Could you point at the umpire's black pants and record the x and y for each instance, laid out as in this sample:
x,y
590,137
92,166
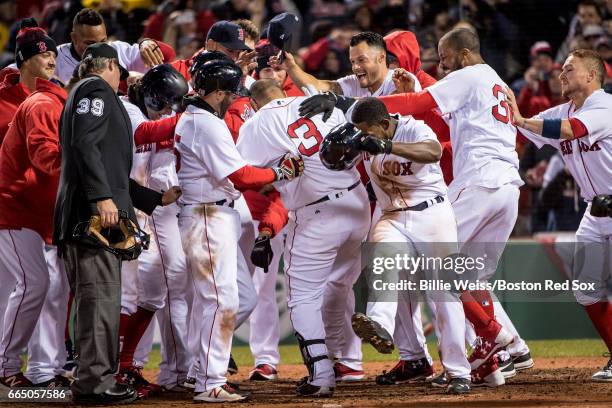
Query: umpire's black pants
x,y
95,280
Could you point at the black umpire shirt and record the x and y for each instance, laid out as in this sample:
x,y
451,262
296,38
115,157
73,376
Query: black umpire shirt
x,y
96,142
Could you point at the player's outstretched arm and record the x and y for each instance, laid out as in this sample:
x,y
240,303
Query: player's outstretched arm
x,y
427,151
254,178
301,78
409,103
564,129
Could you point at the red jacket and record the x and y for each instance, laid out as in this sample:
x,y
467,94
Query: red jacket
x,y
12,93
30,162
404,45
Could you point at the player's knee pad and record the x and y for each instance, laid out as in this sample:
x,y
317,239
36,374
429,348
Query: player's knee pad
x,y
310,360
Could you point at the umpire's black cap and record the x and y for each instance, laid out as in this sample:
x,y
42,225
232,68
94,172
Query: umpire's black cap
x,y
104,50
281,29
228,34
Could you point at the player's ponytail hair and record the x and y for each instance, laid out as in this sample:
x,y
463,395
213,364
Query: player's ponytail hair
x,y
136,96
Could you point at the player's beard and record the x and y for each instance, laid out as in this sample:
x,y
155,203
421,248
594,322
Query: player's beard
x,y
225,103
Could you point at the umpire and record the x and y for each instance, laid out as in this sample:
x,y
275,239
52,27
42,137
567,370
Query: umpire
x,y
96,143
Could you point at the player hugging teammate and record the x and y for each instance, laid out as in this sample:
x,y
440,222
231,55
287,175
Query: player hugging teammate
x,y
264,172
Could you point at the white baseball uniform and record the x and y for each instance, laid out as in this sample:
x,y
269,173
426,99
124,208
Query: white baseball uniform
x,y
67,59
400,183
163,282
484,192
408,336
320,267
210,228
589,160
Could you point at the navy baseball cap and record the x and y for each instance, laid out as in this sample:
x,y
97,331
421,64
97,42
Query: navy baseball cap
x,y
281,29
104,50
228,34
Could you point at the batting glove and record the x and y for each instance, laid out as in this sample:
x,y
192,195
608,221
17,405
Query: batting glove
x,y
289,168
262,254
374,145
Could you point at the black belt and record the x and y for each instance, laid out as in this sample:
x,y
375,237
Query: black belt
x,y
421,206
333,195
223,202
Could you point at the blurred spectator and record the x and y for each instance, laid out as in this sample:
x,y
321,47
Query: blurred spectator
x,y
362,15
542,89
180,24
587,13
329,55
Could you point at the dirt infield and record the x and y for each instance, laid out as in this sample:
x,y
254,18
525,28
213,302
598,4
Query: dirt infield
x,y
553,382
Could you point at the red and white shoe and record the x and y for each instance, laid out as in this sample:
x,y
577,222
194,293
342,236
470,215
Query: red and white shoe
x,y
224,393
485,348
346,373
263,372
488,375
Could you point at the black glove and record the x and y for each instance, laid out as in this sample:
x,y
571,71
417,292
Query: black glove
x,y
262,254
374,145
322,103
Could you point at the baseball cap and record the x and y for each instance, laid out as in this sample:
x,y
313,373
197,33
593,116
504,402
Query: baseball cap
x,y
281,29
32,40
592,30
228,34
540,47
104,50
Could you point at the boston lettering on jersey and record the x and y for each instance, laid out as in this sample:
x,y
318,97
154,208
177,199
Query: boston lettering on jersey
x,y
567,147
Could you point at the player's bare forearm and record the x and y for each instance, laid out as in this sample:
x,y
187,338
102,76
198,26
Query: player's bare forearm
x,y
428,151
537,126
303,79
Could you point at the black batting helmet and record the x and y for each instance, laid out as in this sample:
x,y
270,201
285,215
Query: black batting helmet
x,y
218,75
340,148
163,86
203,57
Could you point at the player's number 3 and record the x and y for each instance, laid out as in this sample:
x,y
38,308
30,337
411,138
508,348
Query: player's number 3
x,y
505,115
307,134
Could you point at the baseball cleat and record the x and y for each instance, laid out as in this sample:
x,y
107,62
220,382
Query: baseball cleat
x,y
485,348
372,332
522,362
178,388
506,365
305,389
133,377
14,381
440,381
605,374
458,386
346,373
232,367
56,382
189,383
406,371
263,372
224,393
488,375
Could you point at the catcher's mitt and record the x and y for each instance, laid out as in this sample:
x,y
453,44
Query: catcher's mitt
x,y
126,240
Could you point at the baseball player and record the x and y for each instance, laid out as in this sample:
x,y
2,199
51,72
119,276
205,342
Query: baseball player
x,y
29,177
162,278
582,132
479,114
401,156
88,28
210,170
320,268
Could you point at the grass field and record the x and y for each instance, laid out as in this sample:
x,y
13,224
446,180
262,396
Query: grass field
x,y
539,348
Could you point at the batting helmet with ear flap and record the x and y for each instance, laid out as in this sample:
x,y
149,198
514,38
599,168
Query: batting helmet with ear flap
x,y
340,148
218,75
163,86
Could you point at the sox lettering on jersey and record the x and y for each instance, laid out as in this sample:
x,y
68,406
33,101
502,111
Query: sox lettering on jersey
x,y
396,168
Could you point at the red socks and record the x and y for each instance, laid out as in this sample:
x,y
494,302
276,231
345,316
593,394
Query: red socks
x,y
137,325
484,324
601,316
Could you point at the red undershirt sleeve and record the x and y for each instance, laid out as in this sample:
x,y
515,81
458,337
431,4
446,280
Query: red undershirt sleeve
x,y
578,128
276,215
251,178
409,103
156,130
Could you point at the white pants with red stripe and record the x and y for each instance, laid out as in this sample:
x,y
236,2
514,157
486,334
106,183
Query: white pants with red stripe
x,y
165,287
264,333
22,258
485,219
422,234
209,235
322,263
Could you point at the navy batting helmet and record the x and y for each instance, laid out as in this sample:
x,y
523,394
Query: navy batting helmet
x,y
218,75
163,86
340,148
203,57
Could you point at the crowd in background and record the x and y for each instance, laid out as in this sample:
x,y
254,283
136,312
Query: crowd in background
x,y
525,41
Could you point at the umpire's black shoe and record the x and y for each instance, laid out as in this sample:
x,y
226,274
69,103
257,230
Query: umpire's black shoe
x,y
118,394
306,389
372,332
232,367
458,386
407,371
